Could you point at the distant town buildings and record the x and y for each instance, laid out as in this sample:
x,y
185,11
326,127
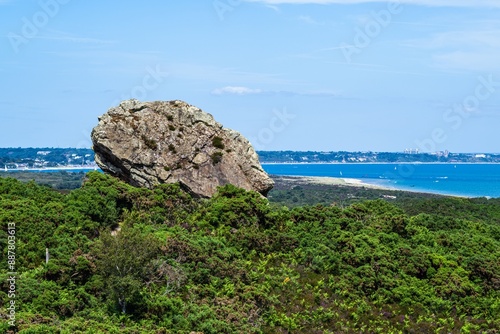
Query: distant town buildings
x,y
40,158
408,156
37,158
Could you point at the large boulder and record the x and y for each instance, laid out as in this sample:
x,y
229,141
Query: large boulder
x,y
148,143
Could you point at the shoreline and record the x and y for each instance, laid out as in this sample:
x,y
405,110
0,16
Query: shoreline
x,y
332,181
352,182
380,163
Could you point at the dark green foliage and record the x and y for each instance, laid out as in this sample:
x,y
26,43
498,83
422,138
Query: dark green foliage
x,y
235,207
216,157
217,142
130,260
170,117
171,127
171,148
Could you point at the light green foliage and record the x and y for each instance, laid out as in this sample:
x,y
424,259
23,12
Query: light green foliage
x,y
237,264
124,261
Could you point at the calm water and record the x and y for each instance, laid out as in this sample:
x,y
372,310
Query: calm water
x,y
473,180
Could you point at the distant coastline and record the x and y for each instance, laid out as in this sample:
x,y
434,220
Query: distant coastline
x,y
59,168
41,158
379,163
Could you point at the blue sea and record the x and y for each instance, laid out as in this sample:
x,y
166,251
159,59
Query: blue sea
x,y
470,180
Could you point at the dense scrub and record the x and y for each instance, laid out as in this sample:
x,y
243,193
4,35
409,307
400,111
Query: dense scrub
x,y
128,260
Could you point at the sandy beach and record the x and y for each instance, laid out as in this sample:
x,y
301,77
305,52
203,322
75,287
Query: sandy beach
x,y
333,181
350,182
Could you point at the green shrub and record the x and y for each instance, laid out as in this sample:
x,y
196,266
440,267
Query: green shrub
x,y
217,142
216,157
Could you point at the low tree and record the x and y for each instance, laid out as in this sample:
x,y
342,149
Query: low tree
x,y
124,261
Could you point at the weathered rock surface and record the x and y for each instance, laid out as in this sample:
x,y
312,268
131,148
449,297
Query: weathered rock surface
x,y
148,143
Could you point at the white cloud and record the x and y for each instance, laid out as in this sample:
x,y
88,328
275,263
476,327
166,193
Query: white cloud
x,y
477,50
309,20
433,3
459,39
236,90
473,61
67,37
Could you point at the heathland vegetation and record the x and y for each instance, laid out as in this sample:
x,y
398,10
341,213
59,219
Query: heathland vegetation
x,y
130,260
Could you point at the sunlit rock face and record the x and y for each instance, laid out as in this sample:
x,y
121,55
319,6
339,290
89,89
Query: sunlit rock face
x,y
149,143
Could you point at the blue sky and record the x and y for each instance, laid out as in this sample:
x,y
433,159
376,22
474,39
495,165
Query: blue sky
x,y
288,74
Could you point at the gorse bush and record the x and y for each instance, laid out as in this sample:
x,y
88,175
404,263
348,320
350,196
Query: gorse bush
x,y
130,260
